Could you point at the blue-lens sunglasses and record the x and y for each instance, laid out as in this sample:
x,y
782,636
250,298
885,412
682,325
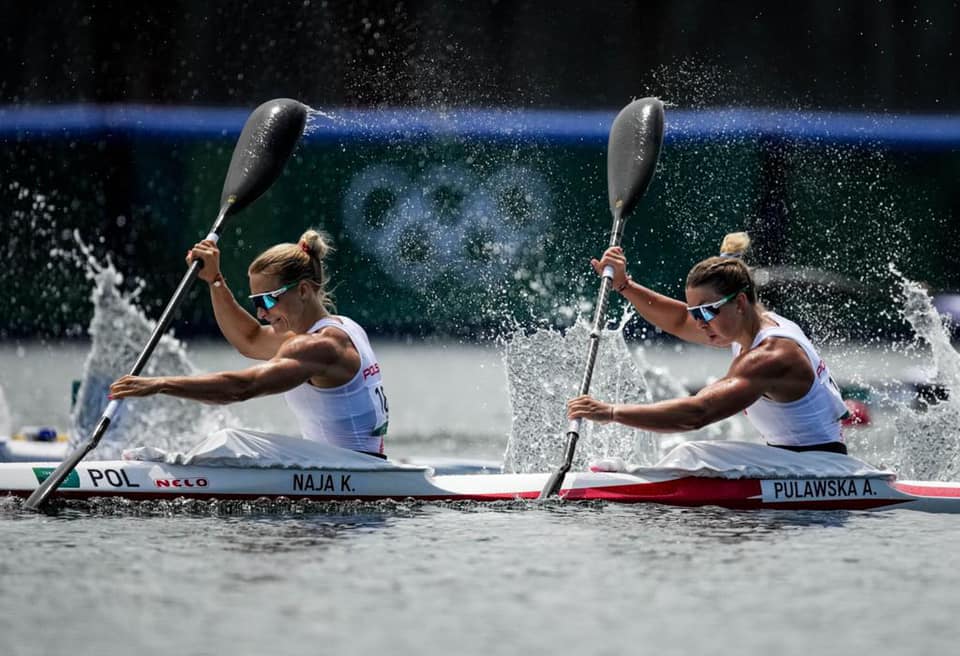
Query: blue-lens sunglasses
x,y
708,311
267,300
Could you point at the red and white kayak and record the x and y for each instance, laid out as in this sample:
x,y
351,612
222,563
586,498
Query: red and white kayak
x,y
698,474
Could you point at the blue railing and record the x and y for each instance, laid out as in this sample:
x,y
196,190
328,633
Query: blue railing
x,y
923,132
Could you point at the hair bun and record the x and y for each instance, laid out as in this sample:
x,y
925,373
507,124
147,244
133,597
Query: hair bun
x,y
316,242
735,244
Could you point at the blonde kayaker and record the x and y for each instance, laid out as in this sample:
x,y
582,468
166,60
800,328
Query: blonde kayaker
x,y
322,363
777,378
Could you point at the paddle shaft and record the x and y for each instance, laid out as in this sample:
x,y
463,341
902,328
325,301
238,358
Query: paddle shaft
x,y
573,430
35,500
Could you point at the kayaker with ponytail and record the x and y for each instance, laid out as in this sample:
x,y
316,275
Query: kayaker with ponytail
x,y
321,362
777,378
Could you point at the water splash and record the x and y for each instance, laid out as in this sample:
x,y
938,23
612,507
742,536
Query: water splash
x,y
32,222
118,331
317,118
927,437
6,424
544,370
463,224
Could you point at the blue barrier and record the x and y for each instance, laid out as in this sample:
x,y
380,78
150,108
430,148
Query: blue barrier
x,y
914,132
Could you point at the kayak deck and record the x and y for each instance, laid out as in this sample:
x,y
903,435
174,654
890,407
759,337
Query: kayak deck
x,y
137,480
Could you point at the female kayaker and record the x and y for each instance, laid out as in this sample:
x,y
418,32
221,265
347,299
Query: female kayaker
x,y
777,378
321,362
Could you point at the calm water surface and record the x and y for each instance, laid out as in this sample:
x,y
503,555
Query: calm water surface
x,y
513,578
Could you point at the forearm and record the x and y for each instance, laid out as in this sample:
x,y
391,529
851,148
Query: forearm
x,y
673,416
236,324
278,375
219,388
667,314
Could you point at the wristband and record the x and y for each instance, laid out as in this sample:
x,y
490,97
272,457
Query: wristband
x,y
219,281
626,283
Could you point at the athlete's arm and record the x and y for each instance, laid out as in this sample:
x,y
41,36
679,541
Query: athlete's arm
x,y
750,377
243,331
667,314
299,359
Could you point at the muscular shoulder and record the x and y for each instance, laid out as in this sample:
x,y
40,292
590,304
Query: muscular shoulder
x,y
774,357
324,347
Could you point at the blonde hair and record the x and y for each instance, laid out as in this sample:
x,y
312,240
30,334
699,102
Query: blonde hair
x,y
301,261
735,244
726,273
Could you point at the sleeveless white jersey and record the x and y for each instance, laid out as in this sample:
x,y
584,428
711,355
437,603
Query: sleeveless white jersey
x,y
813,419
353,415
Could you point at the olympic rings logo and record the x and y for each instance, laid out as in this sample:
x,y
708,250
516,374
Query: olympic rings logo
x,y
447,222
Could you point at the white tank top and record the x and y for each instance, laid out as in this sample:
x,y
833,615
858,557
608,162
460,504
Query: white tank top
x,y
813,419
353,415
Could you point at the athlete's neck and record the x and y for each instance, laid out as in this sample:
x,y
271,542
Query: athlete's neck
x,y
313,311
752,324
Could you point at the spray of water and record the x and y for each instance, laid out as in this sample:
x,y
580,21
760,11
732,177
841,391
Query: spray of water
x,y
317,118
927,436
34,222
6,425
118,331
464,225
544,369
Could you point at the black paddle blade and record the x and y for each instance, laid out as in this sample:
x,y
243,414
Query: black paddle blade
x,y
266,143
633,150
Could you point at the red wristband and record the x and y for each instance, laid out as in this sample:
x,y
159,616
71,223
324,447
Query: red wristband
x,y
626,283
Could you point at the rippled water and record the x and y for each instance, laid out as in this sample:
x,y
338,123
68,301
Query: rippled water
x,y
508,578
495,579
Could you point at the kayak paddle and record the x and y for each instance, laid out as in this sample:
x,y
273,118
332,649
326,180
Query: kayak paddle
x,y
632,152
265,144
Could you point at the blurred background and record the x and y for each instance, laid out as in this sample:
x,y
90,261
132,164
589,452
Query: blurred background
x,y
457,155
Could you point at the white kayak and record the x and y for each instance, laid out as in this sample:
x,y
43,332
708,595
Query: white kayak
x,y
728,474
